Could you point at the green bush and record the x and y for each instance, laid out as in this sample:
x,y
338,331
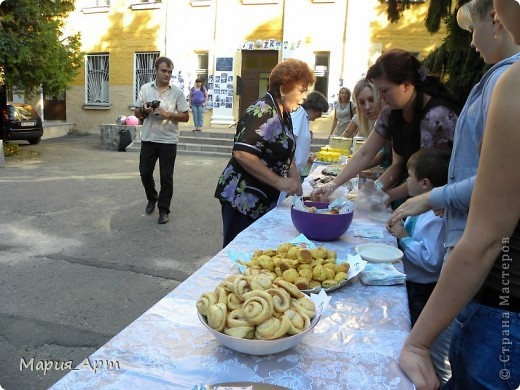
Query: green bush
x,y
11,149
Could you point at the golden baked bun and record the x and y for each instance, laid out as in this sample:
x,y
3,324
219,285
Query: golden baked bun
x,y
302,283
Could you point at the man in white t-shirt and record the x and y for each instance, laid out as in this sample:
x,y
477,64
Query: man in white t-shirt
x,y
161,106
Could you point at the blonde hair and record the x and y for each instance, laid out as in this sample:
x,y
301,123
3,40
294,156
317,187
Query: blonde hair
x,y
366,125
475,10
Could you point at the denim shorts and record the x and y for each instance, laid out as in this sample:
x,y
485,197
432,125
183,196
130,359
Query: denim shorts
x,y
485,349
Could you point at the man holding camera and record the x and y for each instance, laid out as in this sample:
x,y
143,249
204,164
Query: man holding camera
x,y
161,107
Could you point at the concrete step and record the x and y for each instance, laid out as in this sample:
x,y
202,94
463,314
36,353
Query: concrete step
x,y
219,143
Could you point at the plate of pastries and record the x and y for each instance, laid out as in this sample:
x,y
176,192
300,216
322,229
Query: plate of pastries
x,y
257,315
309,269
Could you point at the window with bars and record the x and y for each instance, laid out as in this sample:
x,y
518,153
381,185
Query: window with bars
x,y
144,70
97,79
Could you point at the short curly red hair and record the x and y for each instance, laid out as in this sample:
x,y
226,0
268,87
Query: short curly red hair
x,y
288,73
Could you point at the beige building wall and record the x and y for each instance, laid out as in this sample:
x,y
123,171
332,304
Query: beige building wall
x,y
354,32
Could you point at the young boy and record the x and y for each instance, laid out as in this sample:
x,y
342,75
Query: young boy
x,y
422,237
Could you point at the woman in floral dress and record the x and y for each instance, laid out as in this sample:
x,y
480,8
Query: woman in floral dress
x,y
262,163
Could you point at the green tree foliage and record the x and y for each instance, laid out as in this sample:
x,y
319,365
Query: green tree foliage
x,y
454,60
34,52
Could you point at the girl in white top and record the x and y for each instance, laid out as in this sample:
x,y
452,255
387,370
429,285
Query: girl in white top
x,y
344,110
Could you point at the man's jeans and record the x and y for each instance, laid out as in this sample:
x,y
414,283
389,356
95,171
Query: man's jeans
x,y
485,349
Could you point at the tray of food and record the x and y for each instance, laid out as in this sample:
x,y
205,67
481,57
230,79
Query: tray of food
x,y
259,315
307,266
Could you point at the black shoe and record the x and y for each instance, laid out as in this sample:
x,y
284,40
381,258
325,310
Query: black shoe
x,y
163,218
150,207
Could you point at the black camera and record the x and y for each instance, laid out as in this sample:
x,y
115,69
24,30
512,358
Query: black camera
x,y
154,104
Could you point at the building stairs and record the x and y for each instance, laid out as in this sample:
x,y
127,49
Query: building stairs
x,y
219,143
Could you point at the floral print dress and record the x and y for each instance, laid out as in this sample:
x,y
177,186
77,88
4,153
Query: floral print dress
x,y
264,132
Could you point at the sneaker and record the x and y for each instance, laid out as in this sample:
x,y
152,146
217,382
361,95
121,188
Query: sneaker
x,y
163,218
150,207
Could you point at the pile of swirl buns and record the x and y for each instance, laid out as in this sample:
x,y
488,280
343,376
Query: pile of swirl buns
x,y
306,268
257,307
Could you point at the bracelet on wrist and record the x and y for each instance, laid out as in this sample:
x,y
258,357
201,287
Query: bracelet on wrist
x,y
379,185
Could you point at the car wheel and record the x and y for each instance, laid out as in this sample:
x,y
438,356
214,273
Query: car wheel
x,y
35,141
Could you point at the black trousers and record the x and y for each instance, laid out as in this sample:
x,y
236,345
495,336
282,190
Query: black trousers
x,y
418,295
166,153
233,222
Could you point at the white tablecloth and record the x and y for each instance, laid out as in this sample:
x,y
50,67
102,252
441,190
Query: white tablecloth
x,y
354,346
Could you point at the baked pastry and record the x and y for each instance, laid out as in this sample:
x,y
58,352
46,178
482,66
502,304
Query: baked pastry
x,y
241,286
301,282
233,302
305,306
217,316
221,294
281,299
205,301
261,281
291,288
299,321
305,256
329,283
290,275
243,332
273,328
236,319
258,307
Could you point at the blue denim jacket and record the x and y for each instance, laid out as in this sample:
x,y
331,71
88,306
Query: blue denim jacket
x,y
455,196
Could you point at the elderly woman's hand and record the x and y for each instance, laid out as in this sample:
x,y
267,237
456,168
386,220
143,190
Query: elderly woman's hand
x,y
290,185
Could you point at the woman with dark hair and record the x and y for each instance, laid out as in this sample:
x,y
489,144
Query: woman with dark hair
x,y
419,113
197,100
262,164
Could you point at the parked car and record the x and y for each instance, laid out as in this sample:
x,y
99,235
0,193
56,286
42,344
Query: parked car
x,y
20,122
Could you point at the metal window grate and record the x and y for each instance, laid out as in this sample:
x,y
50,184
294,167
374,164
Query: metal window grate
x,y
97,79
144,70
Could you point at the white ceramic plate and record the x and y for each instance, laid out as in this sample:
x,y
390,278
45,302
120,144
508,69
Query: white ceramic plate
x,y
258,347
379,253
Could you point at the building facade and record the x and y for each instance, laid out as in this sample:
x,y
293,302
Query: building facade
x,y
231,44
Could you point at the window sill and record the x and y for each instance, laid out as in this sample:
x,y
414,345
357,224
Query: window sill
x,y
143,6
96,10
256,2
91,106
200,3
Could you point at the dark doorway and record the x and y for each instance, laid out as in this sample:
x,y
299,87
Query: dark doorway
x,y
54,107
256,67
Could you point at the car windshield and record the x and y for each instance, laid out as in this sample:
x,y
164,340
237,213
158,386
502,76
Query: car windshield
x,y
23,112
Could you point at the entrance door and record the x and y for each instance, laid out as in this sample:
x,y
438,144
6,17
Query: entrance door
x,y
54,108
256,67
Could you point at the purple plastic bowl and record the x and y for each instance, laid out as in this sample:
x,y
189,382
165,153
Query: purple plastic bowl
x,y
320,227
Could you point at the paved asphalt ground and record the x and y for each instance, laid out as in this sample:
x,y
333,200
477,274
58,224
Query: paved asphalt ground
x,y
79,258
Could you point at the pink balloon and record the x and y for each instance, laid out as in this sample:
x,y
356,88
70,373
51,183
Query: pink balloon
x,y
132,121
